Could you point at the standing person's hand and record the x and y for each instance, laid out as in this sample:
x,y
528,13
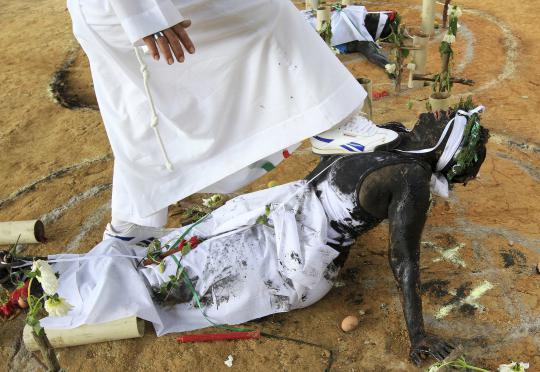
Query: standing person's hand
x,y
170,41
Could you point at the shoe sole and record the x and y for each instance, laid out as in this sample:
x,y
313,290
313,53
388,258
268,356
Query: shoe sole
x,y
384,147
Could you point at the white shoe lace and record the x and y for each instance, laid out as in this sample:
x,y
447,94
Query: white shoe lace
x,y
361,126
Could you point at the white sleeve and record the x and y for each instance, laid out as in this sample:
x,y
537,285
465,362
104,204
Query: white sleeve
x,y
141,18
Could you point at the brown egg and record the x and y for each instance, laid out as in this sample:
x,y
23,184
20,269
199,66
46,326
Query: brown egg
x,y
349,323
23,304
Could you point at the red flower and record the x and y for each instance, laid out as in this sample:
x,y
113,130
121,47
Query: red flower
x,y
6,310
182,243
18,293
194,241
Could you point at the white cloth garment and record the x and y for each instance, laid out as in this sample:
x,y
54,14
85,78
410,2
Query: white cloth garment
x,y
243,271
261,80
347,24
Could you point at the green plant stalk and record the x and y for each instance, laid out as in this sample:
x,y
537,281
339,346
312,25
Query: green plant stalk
x,y
38,333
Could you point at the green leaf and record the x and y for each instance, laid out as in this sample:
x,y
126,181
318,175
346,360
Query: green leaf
x,y
186,249
38,330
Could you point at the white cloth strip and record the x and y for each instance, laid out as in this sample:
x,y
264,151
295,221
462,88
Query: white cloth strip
x,y
454,141
439,183
383,17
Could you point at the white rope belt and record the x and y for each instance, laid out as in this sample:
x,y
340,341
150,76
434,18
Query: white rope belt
x,y
154,121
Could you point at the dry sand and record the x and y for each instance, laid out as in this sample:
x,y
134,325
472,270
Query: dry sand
x,y
62,157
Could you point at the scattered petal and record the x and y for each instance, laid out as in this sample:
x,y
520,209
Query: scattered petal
x,y
514,367
229,361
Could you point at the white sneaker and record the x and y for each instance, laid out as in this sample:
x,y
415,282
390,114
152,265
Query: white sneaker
x,y
359,135
135,234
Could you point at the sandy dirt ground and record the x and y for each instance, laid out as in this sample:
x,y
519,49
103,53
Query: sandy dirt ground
x,y
56,165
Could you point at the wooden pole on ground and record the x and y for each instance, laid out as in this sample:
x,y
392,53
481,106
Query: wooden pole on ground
x,y
87,334
24,232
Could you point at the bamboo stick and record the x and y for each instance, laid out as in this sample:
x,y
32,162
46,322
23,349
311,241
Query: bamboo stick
x,y
420,43
428,16
323,14
312,4
368,103
88,334
24,232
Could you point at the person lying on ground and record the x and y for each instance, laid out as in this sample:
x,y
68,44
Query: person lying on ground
x,y
281,248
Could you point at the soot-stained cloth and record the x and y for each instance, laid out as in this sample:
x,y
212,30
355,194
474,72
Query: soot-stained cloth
x,y
260,81
348,24
244,270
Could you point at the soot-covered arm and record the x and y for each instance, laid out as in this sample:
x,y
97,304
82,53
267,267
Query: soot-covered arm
x,y
407,213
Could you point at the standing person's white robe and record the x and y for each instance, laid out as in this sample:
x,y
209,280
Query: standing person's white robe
x,y
261,80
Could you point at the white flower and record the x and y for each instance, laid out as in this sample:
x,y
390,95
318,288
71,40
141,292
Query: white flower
x,y
57,306
212,201
514,367
455,11
46,277
390,68
228,361
449,38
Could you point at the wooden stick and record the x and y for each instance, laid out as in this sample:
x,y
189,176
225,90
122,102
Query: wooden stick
x,y
445,13
453,80
220,336
87,334
24,232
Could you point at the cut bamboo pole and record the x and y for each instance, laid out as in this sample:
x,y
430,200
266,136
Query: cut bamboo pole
x,y
88,334
440,101
420,43
323,14
312,4
24,232
428,16
368,103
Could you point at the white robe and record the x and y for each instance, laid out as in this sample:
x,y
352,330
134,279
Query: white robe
x,y
244,271
261,80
